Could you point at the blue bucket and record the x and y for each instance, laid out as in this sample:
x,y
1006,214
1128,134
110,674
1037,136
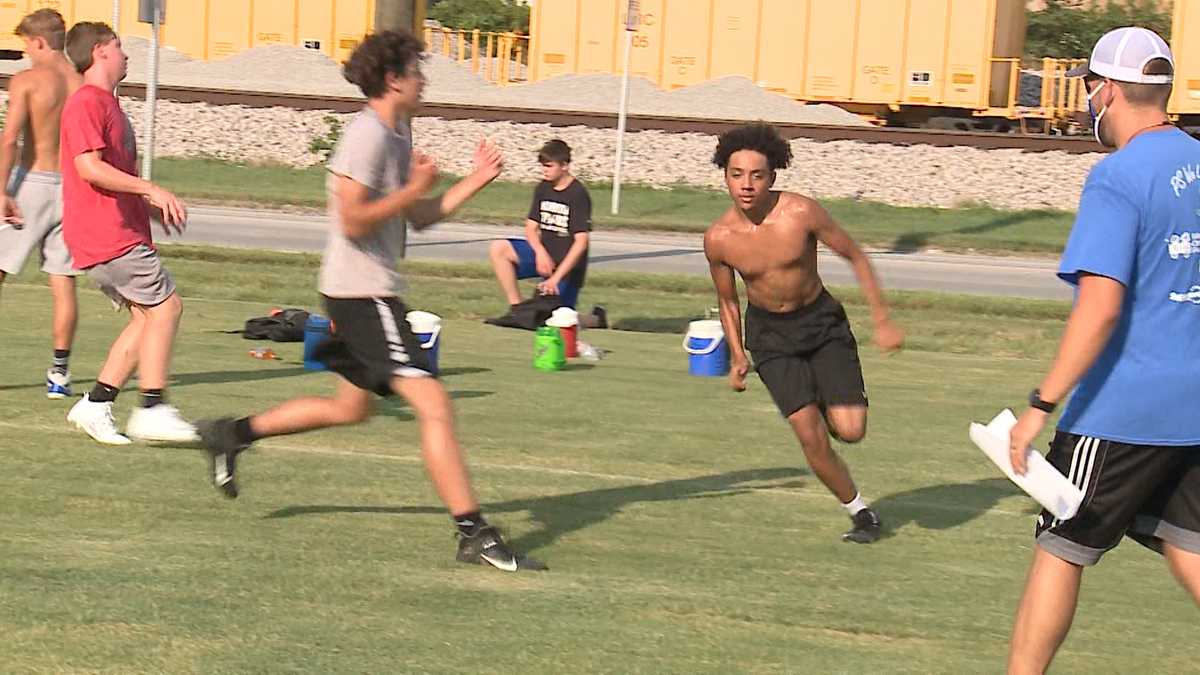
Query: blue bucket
x,y
708,353
428,329
316,329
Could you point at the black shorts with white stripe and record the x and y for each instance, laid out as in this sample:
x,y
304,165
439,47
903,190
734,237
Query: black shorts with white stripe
x,y
371,343
1151,493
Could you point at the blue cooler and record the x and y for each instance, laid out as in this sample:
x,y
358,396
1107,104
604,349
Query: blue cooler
x,y
316,329
708,353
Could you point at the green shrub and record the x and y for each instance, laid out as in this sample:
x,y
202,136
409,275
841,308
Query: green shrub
x,y
1063,31
485,15
324,144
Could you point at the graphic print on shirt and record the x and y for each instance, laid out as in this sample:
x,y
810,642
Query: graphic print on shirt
x,y
555,217
1182,247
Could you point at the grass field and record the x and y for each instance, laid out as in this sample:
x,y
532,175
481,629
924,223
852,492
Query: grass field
x,y
680,209
683,531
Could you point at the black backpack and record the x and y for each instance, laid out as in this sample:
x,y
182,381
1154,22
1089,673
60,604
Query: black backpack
x,y
529,314
285,326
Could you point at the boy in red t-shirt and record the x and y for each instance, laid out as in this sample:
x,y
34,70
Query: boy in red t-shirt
x,y
106,225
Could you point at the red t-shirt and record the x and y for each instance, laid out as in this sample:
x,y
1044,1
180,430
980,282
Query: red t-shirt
x,y
99,225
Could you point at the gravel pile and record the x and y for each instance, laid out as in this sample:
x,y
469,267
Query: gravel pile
x,y
907,176
899,175
1029,93
289,69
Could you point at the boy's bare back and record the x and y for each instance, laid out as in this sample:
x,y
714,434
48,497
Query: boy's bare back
x,y
37,95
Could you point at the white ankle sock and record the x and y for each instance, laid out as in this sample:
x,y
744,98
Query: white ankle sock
x,y
855,505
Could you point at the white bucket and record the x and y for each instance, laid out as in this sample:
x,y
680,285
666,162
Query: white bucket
x,y
563,317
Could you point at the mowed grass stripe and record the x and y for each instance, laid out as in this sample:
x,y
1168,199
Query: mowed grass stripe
x,y
128,561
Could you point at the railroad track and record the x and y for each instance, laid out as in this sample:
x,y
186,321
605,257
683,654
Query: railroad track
x,y
816,132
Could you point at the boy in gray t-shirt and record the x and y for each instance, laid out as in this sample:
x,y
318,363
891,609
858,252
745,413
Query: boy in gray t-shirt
x,y
376,182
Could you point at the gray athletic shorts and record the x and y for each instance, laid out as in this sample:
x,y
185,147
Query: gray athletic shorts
x,y
39,197
136,278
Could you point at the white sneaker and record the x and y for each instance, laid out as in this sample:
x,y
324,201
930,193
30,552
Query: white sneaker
x,y
96,420
58,385
160,423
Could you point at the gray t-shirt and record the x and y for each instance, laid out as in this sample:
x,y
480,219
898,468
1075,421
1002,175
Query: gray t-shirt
x,y
370,153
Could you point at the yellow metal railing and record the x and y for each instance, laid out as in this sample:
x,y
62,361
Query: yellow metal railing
x,y
1012,98
1062,96
500,58
1059,101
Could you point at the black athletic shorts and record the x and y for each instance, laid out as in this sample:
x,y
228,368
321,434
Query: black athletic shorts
x,y
806,356
372,343
1151,493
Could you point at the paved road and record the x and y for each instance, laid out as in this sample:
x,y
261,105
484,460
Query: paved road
x,y
636,252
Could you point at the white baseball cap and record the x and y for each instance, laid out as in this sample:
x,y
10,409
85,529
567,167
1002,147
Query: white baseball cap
x,y
1122,53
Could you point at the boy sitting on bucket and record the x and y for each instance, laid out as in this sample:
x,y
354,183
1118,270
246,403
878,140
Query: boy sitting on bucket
x,y
555,247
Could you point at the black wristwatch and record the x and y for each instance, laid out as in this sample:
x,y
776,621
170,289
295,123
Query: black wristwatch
x,y
1035,401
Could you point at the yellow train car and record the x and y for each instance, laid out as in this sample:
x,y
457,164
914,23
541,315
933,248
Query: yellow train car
x,y
213,29
1185,34
1064,100
877,57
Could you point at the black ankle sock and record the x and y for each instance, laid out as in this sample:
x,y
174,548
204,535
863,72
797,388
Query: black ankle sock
x,y
103,393
242,431
469,523
61,358
153,397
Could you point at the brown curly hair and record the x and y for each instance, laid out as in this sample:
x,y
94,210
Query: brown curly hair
x,y
388,51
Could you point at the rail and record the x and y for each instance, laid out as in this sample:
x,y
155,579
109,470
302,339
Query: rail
x,y
500,58
602,120
1062,97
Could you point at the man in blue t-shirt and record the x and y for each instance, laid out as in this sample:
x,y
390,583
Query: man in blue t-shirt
x,y
1130,435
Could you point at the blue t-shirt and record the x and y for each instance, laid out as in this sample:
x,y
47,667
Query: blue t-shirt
x,y
1139,223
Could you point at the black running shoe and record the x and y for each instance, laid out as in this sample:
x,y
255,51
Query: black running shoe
x,y
223,447
486,546
867,527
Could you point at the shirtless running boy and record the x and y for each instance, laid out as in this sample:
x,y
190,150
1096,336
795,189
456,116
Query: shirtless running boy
x,y
803,348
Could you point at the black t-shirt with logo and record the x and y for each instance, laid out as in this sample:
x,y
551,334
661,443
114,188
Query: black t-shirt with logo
x,y
560,215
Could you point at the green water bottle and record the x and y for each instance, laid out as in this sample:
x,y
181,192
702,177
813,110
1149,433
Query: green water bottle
x,y
549,352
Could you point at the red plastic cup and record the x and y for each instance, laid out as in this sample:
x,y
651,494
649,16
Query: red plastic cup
x,y
570,335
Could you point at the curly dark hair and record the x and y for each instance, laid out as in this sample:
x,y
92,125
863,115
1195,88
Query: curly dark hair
x,y
389,51
761,138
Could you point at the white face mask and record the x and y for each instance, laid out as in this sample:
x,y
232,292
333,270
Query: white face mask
x,y
1096,117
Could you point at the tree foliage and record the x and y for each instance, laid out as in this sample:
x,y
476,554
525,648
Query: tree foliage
x,y
485,15
1063,30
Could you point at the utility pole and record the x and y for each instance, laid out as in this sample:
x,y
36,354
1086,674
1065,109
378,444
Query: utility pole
x,y
400,14
152,12
632,20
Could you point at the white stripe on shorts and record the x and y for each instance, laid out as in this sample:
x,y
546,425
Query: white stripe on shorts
x,y
395,344
1082,459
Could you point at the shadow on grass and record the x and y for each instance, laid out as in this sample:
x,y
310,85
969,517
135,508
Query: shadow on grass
x,y
654,324
396,408
912,242
942,507
463,370
41,384
225,376
562,514
254,375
